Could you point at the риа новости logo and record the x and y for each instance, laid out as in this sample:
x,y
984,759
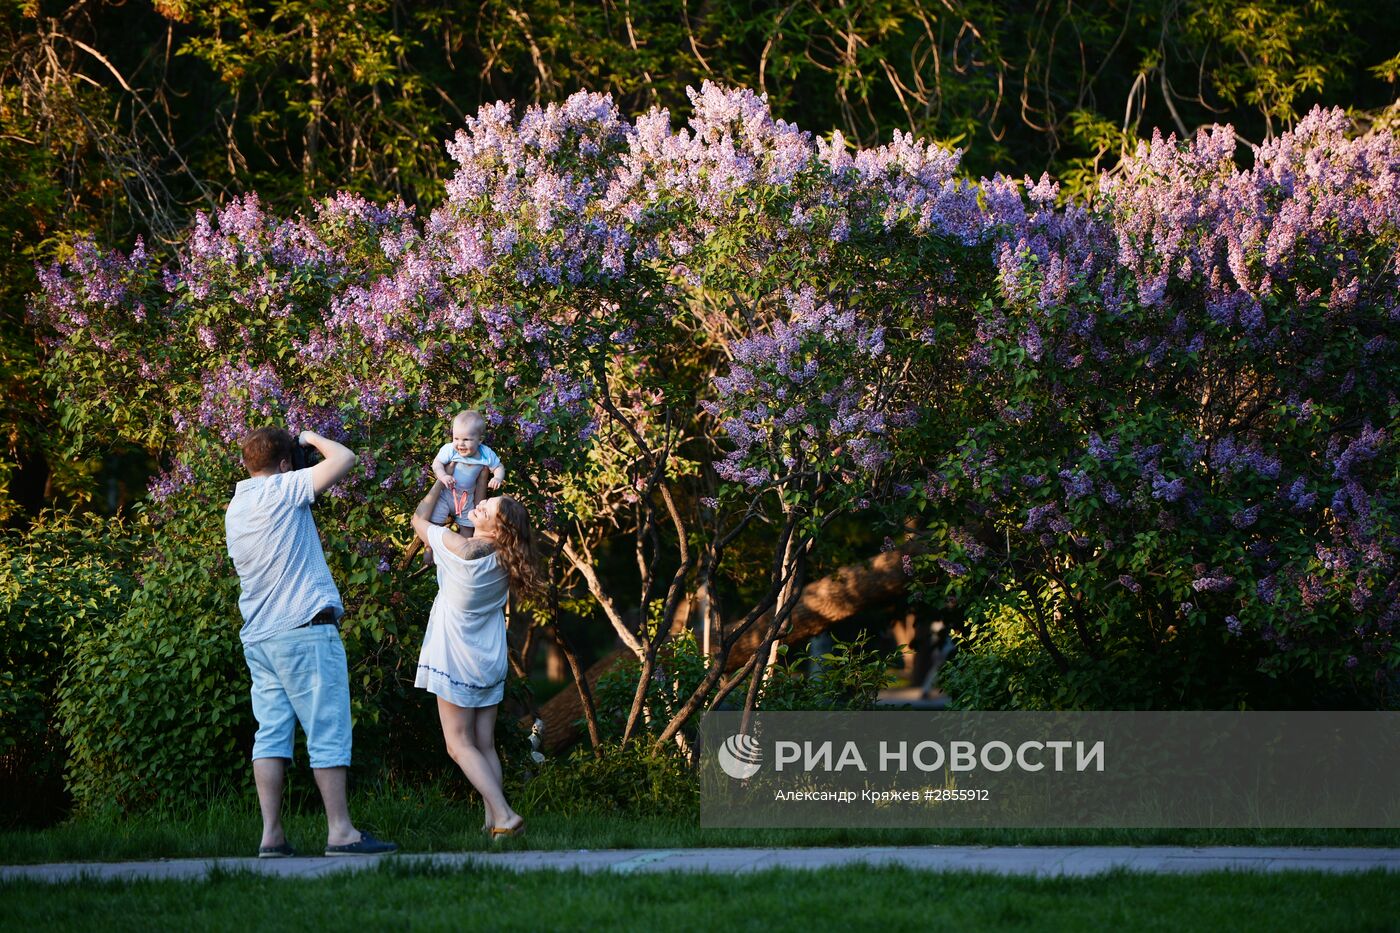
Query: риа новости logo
x,y
740,756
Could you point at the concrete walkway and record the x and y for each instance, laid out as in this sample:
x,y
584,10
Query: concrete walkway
x,y
1004,860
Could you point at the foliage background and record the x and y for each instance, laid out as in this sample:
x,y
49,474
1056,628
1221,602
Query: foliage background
x,y
122,120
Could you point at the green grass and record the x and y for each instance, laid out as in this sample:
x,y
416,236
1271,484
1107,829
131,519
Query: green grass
x,y
428,819
406,896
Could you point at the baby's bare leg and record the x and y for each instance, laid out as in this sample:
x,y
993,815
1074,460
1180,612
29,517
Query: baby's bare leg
x,y
464,529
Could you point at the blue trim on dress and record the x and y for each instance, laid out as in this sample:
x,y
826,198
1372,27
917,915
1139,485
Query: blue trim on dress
x,y
462,683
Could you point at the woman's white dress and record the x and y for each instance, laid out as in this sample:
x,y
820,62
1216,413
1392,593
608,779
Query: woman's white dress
x,y
464,650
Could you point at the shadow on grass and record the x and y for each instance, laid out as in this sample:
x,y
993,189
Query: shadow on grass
x,y
401,893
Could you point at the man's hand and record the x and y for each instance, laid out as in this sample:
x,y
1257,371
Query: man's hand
x,y
331,470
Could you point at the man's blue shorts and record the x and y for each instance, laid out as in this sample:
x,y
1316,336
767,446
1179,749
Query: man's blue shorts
x,y
301,675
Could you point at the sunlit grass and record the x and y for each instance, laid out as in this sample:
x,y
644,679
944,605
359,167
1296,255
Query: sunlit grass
x,y
436,818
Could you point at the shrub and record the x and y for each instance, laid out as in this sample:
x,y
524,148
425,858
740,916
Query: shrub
x,y
59,580
154,704
1187,457
678,670
619,779
848,677
1166,414
584,281
1000,664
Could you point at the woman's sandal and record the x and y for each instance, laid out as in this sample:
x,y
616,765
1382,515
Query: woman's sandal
x,y
500,832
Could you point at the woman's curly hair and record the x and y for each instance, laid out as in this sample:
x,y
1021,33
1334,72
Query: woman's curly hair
x,y
515,549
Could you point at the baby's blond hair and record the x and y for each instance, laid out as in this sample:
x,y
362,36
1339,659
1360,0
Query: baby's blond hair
x,y
468,418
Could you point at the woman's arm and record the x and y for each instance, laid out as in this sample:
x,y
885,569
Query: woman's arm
x,y
420,521
457,544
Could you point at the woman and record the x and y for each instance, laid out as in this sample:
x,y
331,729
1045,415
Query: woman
x,y
464,650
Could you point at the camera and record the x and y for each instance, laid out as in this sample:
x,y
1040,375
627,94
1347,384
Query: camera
x,y
303,455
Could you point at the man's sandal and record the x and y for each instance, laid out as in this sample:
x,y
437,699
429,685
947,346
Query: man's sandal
x,y
368,845
285,850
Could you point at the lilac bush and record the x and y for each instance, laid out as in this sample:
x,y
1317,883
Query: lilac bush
x,y
573,286
1161,425
1186,477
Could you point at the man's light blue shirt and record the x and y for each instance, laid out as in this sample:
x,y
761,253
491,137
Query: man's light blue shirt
x,y
281,567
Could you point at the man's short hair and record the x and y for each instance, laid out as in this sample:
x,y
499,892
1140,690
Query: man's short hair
x,y
265,448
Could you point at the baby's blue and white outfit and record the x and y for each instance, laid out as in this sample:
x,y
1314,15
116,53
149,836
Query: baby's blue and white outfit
x,y
465,470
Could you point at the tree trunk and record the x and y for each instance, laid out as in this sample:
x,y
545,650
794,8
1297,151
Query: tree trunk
x,y
877,582
312,142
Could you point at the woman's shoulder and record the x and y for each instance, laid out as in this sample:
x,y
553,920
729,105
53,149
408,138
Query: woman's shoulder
x,y
473,549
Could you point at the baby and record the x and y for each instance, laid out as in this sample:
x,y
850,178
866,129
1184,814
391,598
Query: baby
x,y
460,466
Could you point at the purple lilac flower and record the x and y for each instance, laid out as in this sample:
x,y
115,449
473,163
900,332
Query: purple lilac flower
x,y
1215,583
1311,589
1037,516
974,549
1077,484
1101,450
1245,518
1299,499
1171,491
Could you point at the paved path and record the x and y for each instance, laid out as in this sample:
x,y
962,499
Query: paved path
x,y
1005,860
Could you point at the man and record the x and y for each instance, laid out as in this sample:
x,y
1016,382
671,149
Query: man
x,y
291,637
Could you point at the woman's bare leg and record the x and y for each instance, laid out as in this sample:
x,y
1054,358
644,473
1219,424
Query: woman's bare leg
x,y
462,733
483,737
485,734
